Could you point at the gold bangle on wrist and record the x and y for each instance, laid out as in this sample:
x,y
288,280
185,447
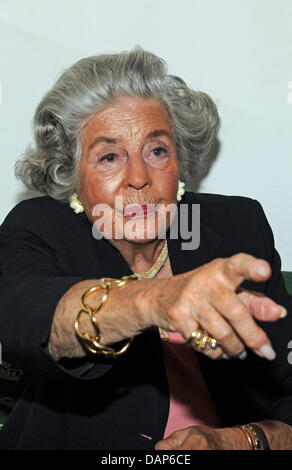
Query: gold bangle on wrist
x,y
243,428
256,436
92,343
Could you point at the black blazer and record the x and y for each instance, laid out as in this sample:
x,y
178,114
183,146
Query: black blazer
x,y
96,403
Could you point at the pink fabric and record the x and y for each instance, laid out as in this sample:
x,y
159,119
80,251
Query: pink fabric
x,y
190,401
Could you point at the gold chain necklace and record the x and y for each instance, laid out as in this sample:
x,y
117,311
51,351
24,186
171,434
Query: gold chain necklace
x,y
151,273
155,268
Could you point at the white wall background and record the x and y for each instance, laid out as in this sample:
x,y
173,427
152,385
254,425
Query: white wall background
x,y
238,51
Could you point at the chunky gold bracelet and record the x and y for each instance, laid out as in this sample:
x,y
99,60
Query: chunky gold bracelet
x,y
243,428
92,343
256,436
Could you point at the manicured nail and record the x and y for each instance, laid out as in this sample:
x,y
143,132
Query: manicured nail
x,y
262,271
242,355
225,356
268,352
283,312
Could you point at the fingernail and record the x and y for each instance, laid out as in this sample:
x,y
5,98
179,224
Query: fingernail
x,y
262,271
283,312
242,355
268,352
257,351
225,356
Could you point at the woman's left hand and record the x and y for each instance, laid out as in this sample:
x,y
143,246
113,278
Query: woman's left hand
x,y
205,438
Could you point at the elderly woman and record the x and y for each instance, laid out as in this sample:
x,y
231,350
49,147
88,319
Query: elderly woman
x,y
101,296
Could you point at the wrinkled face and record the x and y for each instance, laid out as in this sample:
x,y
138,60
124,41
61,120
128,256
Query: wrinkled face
x,y
129,170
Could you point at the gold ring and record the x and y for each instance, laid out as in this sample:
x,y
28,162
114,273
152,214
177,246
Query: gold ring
x,y
200,340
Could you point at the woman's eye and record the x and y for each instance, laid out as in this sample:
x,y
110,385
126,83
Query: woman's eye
x,y
158,151
109,157
111,160
157,155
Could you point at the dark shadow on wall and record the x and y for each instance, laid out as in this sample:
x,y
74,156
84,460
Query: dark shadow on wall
x,y
26,194
195,183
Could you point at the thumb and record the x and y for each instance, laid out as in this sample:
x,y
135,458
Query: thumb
x,y
174,440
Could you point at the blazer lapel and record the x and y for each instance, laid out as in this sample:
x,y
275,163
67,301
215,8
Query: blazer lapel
x,y
183,260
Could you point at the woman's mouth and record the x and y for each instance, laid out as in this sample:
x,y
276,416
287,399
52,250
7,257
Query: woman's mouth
x,y
137,210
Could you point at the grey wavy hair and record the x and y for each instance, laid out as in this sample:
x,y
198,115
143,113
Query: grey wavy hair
x,y
51,165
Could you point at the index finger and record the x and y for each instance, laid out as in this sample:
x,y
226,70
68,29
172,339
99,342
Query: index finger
x,y
242,267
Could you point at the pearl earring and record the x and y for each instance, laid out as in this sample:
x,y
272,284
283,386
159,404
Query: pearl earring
x,y
75,204
181,190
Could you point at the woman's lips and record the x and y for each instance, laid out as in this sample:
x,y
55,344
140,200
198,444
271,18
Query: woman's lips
x,y
138,210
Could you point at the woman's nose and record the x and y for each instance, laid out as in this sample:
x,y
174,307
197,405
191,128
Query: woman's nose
x,y
137,174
